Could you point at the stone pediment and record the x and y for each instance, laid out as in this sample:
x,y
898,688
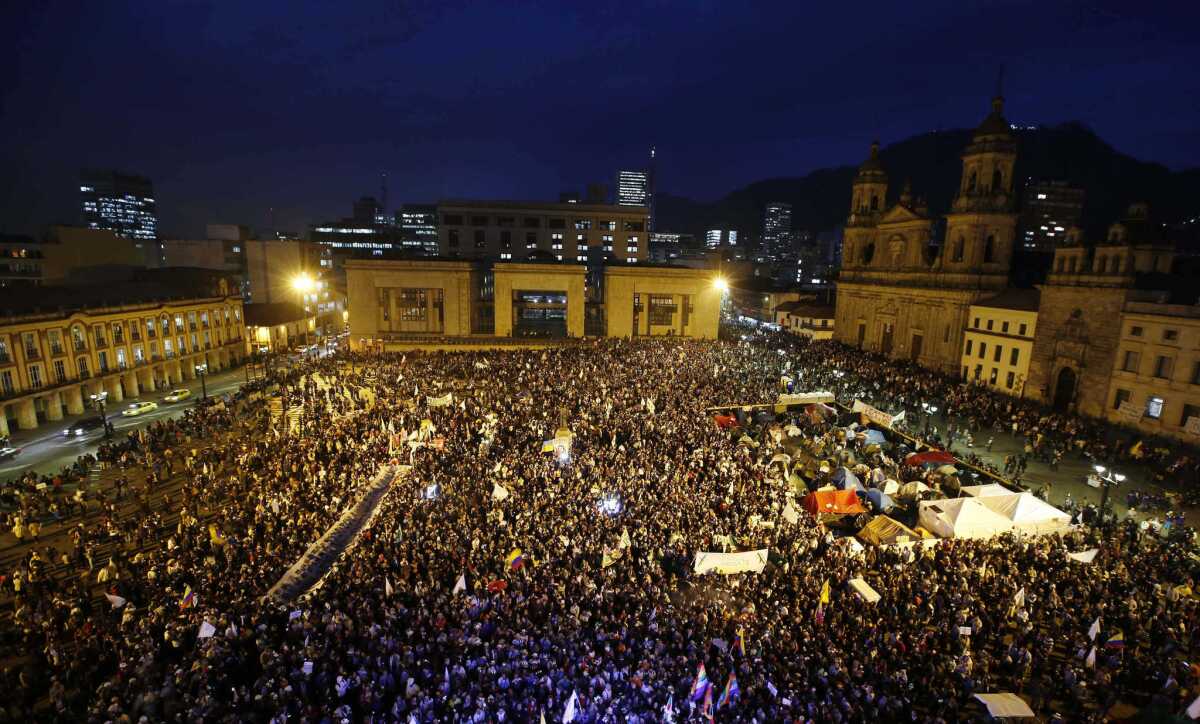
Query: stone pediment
x,y
900,214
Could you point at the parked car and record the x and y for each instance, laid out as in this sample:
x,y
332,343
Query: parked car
x,y
139,408
178,395
8,453
84,426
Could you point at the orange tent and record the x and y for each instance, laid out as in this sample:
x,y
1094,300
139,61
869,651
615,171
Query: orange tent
x,y
833,501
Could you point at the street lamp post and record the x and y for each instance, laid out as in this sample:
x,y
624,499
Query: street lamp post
x,y
1108,479
202,372
99,399
304,285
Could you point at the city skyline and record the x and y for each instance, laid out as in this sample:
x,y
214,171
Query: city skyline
x,y
218,129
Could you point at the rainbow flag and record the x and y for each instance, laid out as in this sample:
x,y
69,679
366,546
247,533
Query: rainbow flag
x,y
515,560
700,685
1117,641
731,691
707,709
189,598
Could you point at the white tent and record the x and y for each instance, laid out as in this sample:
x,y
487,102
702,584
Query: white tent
x,y
961,518
985,491
1028,513
1004,706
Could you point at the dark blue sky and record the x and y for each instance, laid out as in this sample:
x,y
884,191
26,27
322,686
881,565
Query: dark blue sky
x,y
238,107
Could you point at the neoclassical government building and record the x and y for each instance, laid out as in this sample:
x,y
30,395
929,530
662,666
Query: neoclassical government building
x,y
903,297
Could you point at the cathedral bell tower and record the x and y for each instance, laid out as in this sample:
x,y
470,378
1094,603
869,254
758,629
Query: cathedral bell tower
x,y
867,202
981,226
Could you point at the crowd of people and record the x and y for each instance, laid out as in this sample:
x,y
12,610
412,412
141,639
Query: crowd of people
x,y
505,578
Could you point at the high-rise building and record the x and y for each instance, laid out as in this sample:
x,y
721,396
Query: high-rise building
x,y
633,188
119,202
720,237
777,229
418,228
1048,209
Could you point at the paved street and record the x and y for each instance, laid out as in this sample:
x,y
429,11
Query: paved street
x,y
1070,477
45,449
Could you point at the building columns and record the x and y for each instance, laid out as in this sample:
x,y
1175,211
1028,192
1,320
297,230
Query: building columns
x,y
4,421
74,397
26,414
54,406
129,381
115,392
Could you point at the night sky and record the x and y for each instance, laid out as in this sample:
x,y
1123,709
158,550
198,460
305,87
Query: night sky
x,y
235,109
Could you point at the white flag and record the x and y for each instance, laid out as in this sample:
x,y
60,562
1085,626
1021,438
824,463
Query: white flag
x,y
569,714
499,492
116,601
1084,557
790,514
1019,599
461,585
669,709
387,588
207,630
1095,629
1091,658
625,542
1194,710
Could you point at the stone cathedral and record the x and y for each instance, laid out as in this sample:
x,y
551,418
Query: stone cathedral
x,y
900,295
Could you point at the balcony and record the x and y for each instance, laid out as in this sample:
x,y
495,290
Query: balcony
x,y
136,337
56,350
5,358
32,354
80,346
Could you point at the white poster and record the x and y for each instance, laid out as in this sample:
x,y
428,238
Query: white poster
x,y
726,563
876,416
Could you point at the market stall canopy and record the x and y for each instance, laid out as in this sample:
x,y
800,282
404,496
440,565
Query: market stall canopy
x,y
833,501
961,518
912,489
882,531
932,457
984,491
1028,513
1005,706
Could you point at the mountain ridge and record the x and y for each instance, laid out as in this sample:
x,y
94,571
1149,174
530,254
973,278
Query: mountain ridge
x,y
1070,152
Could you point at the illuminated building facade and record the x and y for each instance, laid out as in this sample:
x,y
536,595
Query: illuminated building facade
x,y
777,229
633,188
1048,209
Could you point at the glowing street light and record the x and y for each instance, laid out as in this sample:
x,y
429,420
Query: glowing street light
x,y
303,283
720,284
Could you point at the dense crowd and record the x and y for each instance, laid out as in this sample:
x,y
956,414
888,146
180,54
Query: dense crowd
x,y
577,588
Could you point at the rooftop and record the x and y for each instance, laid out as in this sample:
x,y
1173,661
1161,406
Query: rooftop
x,y
273,313
550,205
19,301
1025,300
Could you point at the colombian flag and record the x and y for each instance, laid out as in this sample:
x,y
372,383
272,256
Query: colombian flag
x,y
739,641
515,560
1117,641
731,691
189,598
